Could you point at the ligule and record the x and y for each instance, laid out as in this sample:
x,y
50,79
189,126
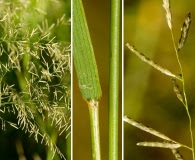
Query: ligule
x,y
160,144
184,31
177,155
177,90
151,63
166,5
145,128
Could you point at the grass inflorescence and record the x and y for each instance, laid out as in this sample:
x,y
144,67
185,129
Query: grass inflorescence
x,y
34,76
180,93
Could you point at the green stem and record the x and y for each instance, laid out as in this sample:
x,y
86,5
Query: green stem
x,y
94,125
114,79
50,153
0,90
185,97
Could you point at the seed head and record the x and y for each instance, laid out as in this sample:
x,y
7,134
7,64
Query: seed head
x,y
166,5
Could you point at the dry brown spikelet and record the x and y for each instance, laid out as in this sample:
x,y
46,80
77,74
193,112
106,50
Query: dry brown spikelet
x,y
151,63
145,128
166,5
184,31
177,90
177,155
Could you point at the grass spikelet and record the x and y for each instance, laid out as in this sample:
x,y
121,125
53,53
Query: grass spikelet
x,y
177,155
152,63
160,144
145,128
177,90
166,5
184,31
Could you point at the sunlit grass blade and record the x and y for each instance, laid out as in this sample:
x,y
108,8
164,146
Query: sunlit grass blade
x,y
87,73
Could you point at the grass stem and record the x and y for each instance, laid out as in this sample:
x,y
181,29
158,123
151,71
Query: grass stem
x,y
94,125
114,79
87,73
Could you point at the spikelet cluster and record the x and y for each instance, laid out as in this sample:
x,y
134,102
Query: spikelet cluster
x,y
34,77
168,143
145,128
166,5
184,31
160,144
177,90
177,155
152,63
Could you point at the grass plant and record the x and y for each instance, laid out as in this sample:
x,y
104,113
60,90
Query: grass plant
x,y
87,73
175,78
88,79
34,75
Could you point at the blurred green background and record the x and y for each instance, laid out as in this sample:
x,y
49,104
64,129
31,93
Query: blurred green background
x,y
148,95
97,13
33,13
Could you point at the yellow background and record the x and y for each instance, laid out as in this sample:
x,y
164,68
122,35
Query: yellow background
x,y
148,94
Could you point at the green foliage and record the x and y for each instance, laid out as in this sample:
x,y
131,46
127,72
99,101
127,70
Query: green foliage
x,y
87,73
84,59
35,71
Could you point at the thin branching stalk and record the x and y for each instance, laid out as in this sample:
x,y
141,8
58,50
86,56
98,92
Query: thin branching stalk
x,y
182,40
185,97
